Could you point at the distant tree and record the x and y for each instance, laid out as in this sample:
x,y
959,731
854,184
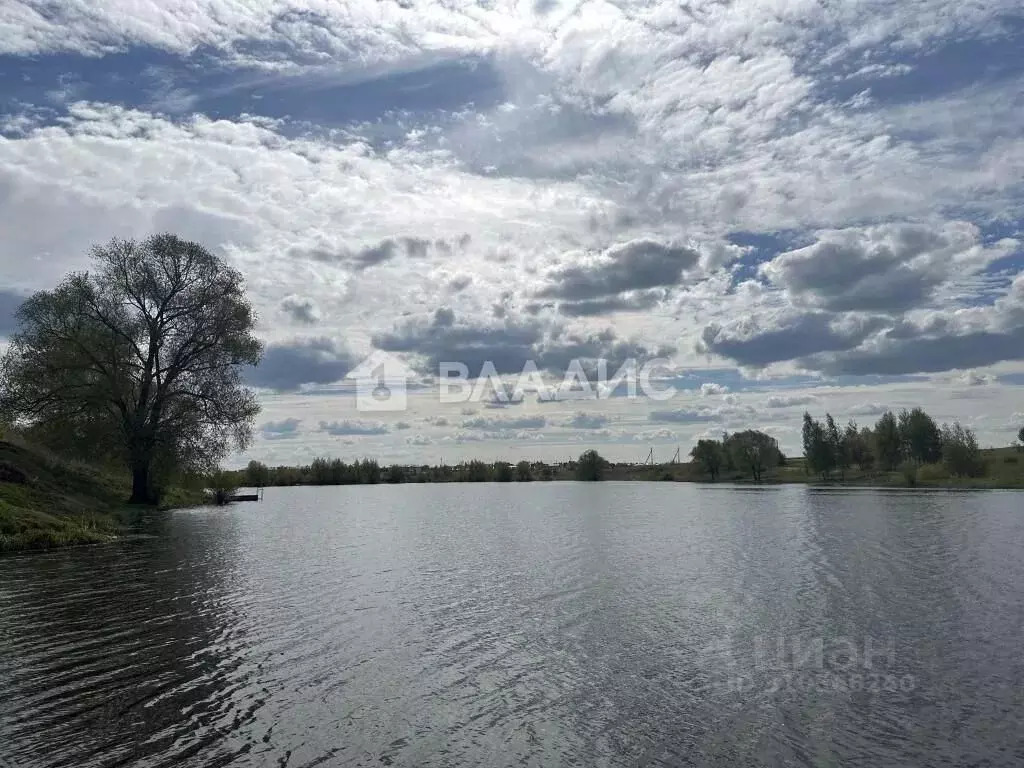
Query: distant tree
x,y
477,471
753,452
524,472
709,454
140,360
1020,439
257,474
369,472
861,450
728,465
837,445
819,456
396,474
590,466
960,451
503,472
888,447
920,436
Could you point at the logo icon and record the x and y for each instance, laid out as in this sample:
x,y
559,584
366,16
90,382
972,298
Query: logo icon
x,y
381,382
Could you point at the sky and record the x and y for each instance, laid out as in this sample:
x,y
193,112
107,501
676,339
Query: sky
x,y
800,204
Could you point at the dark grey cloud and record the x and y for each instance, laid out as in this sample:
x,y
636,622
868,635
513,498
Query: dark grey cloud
x,y
9,303
927,354
378,253
288,365
444,317
302,309
761,340
350,427
459,284
636,265
284,429
631,302
373,255
508,345
891,268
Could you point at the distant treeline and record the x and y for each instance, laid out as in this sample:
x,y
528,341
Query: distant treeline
x,y
909,442
906,448
324,471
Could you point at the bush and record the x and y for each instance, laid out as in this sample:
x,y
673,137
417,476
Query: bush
x,y
931,473
502,472
1009,459
909,472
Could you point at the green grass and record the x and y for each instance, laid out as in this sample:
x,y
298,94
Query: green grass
x,y
63,502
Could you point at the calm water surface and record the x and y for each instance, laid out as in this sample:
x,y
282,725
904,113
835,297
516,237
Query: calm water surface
x,y
546,624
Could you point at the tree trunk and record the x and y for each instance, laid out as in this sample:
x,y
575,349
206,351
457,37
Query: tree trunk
x,y
142,491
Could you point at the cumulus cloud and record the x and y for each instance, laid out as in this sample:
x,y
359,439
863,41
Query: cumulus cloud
x,y
284,429
889,268
518,422
583,420
508,345
302,309
607,284
347,427
288,365
868,409
770,337
538,171
699,415
975,379
789,401
709,388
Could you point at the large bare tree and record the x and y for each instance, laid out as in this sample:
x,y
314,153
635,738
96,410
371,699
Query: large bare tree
x,y
140,359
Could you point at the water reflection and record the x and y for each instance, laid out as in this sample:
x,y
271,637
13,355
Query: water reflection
x,y
610,624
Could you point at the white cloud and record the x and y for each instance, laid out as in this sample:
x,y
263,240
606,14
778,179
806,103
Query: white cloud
x,y
789,401
632,136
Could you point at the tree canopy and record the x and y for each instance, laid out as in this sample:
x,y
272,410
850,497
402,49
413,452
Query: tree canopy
x,y
139,359
590,466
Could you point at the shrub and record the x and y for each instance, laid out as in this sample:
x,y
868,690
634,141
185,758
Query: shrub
x,y
931,473
909,472
502,472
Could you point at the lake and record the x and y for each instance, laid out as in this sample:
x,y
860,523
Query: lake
x,y
545,624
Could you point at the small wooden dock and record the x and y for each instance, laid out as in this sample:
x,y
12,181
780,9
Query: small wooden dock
x,y
258,496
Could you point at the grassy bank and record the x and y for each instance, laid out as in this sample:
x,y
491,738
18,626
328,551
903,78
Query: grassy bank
x,y
48,501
